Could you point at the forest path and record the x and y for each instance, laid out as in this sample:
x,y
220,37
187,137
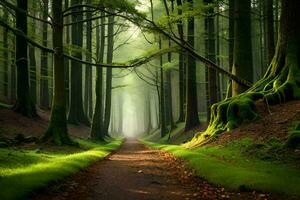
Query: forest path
x,y
135,172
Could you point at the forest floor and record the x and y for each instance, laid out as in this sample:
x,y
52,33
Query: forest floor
x,y
12,123
137,172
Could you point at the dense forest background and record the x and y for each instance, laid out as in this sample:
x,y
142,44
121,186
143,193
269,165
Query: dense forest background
x,y
151,92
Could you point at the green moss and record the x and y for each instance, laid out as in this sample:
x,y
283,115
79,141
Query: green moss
x,y
231,166
57,131
22,171
293,140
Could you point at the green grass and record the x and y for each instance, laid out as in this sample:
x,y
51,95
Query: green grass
x,y
22,171
227,166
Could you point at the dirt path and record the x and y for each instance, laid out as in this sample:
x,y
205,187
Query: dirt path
x,y
135,172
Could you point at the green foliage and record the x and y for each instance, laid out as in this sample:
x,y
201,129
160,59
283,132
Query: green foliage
x,y
227,166
22,171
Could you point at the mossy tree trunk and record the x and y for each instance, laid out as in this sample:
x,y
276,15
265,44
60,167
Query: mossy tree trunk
x,y
242,53
97,119
280,83
57,131
24,104
191,119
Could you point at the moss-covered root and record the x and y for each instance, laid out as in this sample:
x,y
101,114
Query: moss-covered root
x,y
57,131
230,113
293,140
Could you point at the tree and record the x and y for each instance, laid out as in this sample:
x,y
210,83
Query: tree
x,y
88,104
97,119
230,44
57,131
191,119
162,116
76,112
242,53
110,49
44,88
181,67
32,60
24,104
279,84
210,46
269,30
5,55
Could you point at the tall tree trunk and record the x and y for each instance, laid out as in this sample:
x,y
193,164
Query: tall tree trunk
x,y
242,64
88,104
191,119
231,44
163,127
211,55
66,60
269,30
76,113
57,131
169,102
5,55
13,73
24,104
181,66
97,120
110,51
44,88
32,61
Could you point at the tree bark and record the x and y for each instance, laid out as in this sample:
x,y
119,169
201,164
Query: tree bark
x,y
76,112
5,56
44,88
57,131
269,30
110,49
210,44
242,64
88,104
24,104
191,120
97,120
32,61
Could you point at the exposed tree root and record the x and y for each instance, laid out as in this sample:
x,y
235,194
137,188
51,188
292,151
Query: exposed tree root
x,y
280,84
57,132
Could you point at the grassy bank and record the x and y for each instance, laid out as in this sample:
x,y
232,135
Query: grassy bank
x,y
231,167
22,171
